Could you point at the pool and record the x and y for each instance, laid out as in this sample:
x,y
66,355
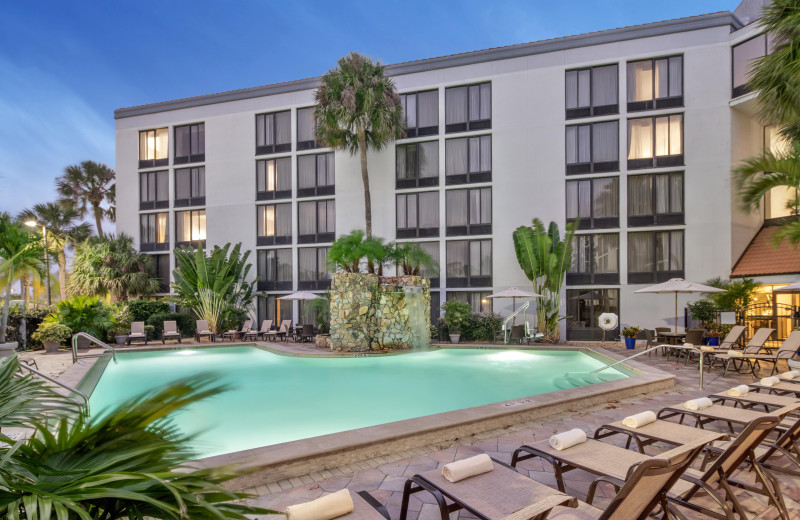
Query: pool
x,y
277,398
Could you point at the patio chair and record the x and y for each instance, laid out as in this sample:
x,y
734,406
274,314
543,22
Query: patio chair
x,y
752,347
203,330
308,333
137,333
663,339
694,337
284,330
248,324
650,340
256,333
787,351
170,331
365,507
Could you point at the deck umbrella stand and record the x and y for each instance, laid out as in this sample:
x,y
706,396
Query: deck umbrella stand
x,y
678,285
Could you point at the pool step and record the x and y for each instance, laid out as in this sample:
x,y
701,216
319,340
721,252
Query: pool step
x,y
574,379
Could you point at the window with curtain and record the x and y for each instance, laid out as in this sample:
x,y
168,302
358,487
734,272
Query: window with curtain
x,y
468,159
744,56
417,164
417,214
274,269
316,221
274,132
468,107
274,224
316,175
476,299
592,91
153,147
190,227
190,143
306,129
584,306
655,141
655,256
655,83
312,268
274,178
655,199
154,190
268,309
421,113
469,211
595,259
592,148
190,187
162,272
594,203
154,232
469,263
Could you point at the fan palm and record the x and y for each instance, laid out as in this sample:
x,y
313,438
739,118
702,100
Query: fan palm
x,y
19,253
358,109
89,185
63,231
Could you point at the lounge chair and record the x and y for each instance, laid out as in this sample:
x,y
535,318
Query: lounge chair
x,y
170,331
666,432
787,351
308,333
729,415
732,338
137,333
752,347
255,334
283,330
788,387
365,507
248,324
203,330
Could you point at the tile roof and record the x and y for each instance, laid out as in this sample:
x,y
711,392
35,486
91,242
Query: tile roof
x,y
762,257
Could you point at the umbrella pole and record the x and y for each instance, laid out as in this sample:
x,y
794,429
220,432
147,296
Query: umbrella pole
x,y
278,312
676,312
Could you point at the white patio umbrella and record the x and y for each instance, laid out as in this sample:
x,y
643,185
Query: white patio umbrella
x,y
514,293
300,296
788,288
679,285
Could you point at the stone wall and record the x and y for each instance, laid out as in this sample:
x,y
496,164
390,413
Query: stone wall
x,y
376,313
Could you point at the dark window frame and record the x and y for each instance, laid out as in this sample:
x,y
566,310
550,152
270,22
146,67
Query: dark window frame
x,y
592,166
418,131
434,280
593,332
593,278
153,204
152,246
593,222
266,240
656,276
194,155
657,161
471,124
591,110
163,282
317,237
306,145
416,181
741,90
470,229
274,194
191,201
658,219
264,283
318,283
663,102
153,163
189,243
414,232
267,149
317,190
456,282
479,176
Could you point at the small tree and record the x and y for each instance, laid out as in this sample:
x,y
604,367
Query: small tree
x,y
89,186
348,252
738,294
19,252
411,257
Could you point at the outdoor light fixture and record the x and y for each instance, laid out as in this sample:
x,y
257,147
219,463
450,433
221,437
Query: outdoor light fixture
x,y
33,223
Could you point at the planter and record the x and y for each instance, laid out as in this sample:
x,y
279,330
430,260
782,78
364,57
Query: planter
x,y
120,339
454,338
712,341
8,349
630,343
83,343
51,346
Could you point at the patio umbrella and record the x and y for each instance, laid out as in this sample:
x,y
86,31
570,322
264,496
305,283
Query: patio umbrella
x,y
679,285
514,293
300,296
787,288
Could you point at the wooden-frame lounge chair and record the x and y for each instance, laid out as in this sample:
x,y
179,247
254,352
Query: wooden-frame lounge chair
x,y
789,349
138,333
170,331
753,346
246,327
203,330
496,494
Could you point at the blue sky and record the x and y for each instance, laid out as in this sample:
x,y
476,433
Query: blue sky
x,y
66,65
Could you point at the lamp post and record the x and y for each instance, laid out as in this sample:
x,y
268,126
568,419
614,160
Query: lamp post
x,y
33,223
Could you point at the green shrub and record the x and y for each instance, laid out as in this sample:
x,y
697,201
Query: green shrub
x,y
232,319
456,314
141,310
52,332
705,312
83,314
34,316
481,327
185,322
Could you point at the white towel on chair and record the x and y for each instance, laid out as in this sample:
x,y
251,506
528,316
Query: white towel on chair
x,y
739,391
735,353
698,404
791,374
465,468
562,441
640,419
323,508
706,348
770,381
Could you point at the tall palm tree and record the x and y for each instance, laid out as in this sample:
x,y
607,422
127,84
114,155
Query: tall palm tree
x,y
358,109
62,231
19,253
89,185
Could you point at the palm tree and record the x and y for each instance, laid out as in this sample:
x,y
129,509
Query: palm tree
x,y
358,109
19,253
62,231
89,185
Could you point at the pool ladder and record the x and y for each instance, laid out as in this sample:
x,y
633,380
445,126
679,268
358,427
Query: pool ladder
x,y
682,347
93,340
82,404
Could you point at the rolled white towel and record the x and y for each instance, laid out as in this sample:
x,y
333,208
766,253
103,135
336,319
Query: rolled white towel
x,y
639,419
770,381
562,441
698,404
791,374
707,348
735,353
324,508
739,391
464,468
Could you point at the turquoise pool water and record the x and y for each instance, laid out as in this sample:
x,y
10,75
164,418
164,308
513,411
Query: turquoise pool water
x,y
280,398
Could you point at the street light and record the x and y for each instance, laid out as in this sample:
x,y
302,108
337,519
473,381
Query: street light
x,y
33,223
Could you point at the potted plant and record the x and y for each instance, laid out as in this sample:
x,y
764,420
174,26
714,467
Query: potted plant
x,y
456,315
712,337
629,333
82,314
121,319
52,335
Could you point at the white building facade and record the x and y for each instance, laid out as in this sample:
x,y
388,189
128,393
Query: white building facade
x,y
633,131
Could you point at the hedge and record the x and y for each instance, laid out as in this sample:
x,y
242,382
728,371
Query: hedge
x,y
141,310
186,323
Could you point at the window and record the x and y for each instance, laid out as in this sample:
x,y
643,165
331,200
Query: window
x,y
190,187
313,268
418,214
592,92
744,55
154,148
593,148
315,175
274,224
594,203
190,228
584,307
430,271
421,113
468,107
469,212
274,132
274,179
190,143
271,308
779,202
317,221
476,299
306,129
655,199
154,190
655,256
468,159
655,141
656,83
417,164
274,270
436,307
469,263
154,232
595,259
161,271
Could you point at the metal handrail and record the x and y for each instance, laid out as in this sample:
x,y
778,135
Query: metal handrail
x,y
65,386
683,347
93,340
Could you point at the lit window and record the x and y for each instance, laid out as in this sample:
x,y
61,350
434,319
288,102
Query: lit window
x,y
274,178
154,148
154,232
274,225
655,83
190,227
655,141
